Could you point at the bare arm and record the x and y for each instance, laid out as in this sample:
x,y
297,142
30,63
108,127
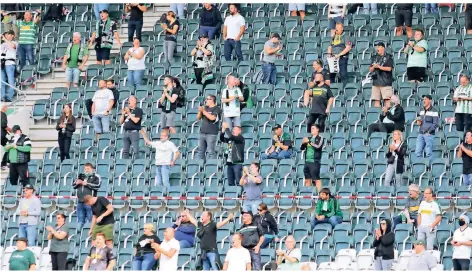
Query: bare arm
x,y
436,221
93,108
225,266
209,116
242,181
94,221
108,211
143,8
111,102
254,178
330,103
224,32
86,263
32,267
241,32
222,223
176,156
306,97
271,51
111,264
248,267
459,153
117,37
169,253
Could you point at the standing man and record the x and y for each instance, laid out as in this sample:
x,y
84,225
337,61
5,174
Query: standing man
x,y
102,219
166,156
340,48
318,68
321,101
234,152
281,145
27,38
429,216
421,260
428,122
3,134
417,57
19,149
465,152
231,98
86,184
313,151
210,116
168,103
253,237
381,71
210,21
101,256
8,54
22,258
463,99
272,49
135,22
410,213
74,60
131,120
184,230
238,257
169,250
29,210
105,30
233,31
103,101
462,244
251,181
404,16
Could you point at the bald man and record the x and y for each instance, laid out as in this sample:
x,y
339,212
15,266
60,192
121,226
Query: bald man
x,y
289,259
169,250
231,97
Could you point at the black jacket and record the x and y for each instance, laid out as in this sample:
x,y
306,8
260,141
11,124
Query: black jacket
x,y
251,234
384,246
4,132
267,223
70,127
398,117
237,145
93,184
211,18
400,157
23,157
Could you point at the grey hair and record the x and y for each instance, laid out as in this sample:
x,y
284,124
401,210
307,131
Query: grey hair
x,y
76,34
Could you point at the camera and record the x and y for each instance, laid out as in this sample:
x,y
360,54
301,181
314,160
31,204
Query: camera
x,y
81,176
3,60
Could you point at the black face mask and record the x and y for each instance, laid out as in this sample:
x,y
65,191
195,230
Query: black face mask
x,y
461,223
317,82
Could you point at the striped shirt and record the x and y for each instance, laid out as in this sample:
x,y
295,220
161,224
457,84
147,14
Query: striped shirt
x,y
463,106
27,32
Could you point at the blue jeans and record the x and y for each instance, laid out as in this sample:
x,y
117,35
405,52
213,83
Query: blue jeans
x,y
134,26
466,179
234,172
28,232
370,8
278,155
207,142
101,123
178,9
145,262
424,143
163,173
269,72
432,6
210,262
251,205
185,244
99,7
84,213
209,30
8,75
255,259
135,78
334,220
25,52
232,121
231,44
267,241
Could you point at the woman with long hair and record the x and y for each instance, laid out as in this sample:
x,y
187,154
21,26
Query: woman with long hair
x,y
396,159
66,128
59,242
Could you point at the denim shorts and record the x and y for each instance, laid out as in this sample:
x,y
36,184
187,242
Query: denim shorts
x,y
72,75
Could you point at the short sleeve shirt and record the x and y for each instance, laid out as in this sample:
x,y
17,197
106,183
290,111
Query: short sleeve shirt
x,y
100,258
166,263
413,205
463,106
429,211
170,36
101,100
22,259
233,25
273,57
286,266
60,245
237,259
286,141
207,235
424,261
99,208
164,152
466,160
27,32
211,126
417,59
253,190
232,109
320,96
325,74
130,125
462,252
339,43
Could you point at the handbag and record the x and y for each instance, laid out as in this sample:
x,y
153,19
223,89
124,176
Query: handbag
x,y
391,159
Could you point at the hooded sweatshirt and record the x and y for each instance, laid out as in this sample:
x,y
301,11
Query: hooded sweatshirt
x,y
384,246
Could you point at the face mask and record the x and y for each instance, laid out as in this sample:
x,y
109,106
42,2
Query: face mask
x,y
461,223
317,82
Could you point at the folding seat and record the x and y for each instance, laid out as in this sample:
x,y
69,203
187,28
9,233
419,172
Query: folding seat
x,y
384,191
463,202
231,192
457,65
305,203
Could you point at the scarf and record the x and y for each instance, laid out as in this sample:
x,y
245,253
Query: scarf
x,y
107,41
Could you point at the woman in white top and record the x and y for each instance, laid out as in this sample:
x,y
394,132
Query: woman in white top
x,y
135,58
462,244
395,159
8,51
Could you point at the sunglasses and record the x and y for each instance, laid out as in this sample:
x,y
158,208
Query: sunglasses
x,y
260,210
383,223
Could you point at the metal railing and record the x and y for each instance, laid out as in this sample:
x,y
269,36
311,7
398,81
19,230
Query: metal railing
x,y
20,95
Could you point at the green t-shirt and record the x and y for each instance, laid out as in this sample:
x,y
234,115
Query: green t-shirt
x,y
310,151
22,259
74,56
417,59
27,32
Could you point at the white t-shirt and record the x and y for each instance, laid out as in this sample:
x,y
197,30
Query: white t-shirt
x,y
233,25
166,263
164,152
135,64
237,259
233,109
462,252
101,99
428,211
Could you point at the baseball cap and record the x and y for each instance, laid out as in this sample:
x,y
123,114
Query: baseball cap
x,y
247,212
380,43
29,186
11,32
465,218
428,96
420,242
277,126
203,35
15,128
22,239
276,35
104,10
414,187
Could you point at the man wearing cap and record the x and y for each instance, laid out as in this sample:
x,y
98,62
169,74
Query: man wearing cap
x,y
429,216
105,30
253,237
321,101
281,147
272,49
381,71
234,152
410,213
22,258
318,68
428,121
463,99
462,244
8,56
18,148
421,260
29,210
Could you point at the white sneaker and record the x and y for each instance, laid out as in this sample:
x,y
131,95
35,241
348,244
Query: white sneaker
x,y
4,167
469,187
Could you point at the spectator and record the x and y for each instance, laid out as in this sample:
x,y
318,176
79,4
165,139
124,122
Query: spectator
x,y
370,8
233,31
468,18
105,30
87,184
9,16
272,49
8,59
336,15
74,60
281,147
463,99
171,27
395,159
381,72
384,246
321,101
210,21
231,97
252,184
59,247
289,259
166,156
428,122
207,231
178,9
101,256
431,7
234,152
29,210
410,213
421,260
66,128
135,58
4,132
327,210
238,258
210,115
135,22
462,244
253,237
404,16
102,219
429,216
103,101
145,257
392,118
267,222
116,94
54,13
27,38
131,117
340,48
313,152
417,57
19,154
22,258
184,231
465,152
97,9
203,61
294,7
168,103
169,250
318,68
247,103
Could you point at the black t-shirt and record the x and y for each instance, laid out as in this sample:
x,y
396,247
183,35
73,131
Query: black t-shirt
x,y
319,100
170,36
208,126
382,78
135,13
207,235
168,106
99,208
405,6
147,248
129,124
4,121
469,7
466,160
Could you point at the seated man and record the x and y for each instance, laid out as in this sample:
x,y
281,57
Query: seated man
x,y
281,145
184,231
327,210
410,213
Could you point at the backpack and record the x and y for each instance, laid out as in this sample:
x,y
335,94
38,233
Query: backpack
x,y
257,78
181,99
